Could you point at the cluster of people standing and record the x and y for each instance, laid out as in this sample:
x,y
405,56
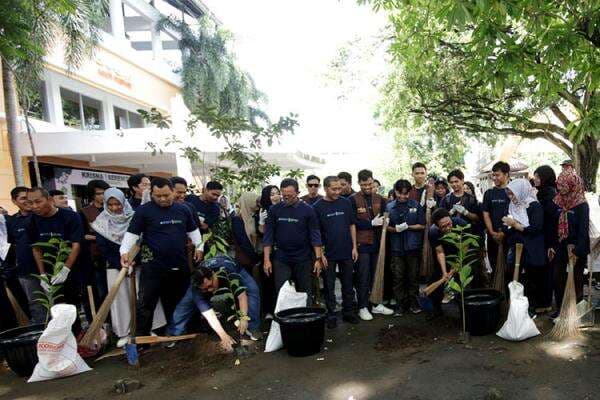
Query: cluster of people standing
x,y
192,245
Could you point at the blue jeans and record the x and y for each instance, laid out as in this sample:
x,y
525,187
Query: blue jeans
x,y
192,300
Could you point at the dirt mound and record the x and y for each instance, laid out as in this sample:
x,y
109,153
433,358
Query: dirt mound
x,y
190,357
395,338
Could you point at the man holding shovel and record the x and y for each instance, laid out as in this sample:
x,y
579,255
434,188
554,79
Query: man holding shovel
x,y
165,226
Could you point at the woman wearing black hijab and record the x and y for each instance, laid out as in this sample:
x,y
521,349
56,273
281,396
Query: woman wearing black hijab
x,y
545,183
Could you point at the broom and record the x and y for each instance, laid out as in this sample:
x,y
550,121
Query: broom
x,y
102,314
519,251
377,289
499,283
131,346
433,286
567,321
20,315
427,263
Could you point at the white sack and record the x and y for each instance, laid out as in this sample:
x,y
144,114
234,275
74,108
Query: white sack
x,y
519,325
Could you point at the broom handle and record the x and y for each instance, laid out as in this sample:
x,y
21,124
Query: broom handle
x,y
377,289
519,251
20,315
133,305
93,309
96,324
433,286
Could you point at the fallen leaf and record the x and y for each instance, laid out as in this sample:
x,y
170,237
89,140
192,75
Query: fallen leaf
x,y
320,358
237,361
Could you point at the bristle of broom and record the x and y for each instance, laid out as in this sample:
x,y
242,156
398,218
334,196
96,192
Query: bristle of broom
x,y
568,320
499,283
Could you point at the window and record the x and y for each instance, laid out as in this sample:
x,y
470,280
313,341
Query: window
x,y
127,119
38,108
81,112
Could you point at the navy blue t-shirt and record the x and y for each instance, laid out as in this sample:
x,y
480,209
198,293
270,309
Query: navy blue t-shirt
x,y
165,231
335,218
292,230
209,211
134,202
64,224
17,227
110,251
496,202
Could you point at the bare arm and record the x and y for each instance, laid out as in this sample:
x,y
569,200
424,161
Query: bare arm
x,y
75,248
353,235
488,222
441,257
38,257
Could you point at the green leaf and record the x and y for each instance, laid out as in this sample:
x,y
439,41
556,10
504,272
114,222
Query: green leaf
x,y
454,286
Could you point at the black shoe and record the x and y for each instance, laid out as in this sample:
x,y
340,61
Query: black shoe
x,y
351,319
332,323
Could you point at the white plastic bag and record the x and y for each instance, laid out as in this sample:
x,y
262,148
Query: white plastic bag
x,y
57,347
518,325
288,298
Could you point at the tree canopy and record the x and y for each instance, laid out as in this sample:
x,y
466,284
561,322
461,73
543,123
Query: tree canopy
x,y
485,68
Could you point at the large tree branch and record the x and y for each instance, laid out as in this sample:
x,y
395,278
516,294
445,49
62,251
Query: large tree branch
x,y
560,115
571,98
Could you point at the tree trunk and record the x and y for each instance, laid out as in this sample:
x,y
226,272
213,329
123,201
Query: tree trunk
x,y
11,107
36,165
588,158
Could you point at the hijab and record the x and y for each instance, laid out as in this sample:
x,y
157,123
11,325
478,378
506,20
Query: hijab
x,y
110,225
248,208
4,245
574,197
524,194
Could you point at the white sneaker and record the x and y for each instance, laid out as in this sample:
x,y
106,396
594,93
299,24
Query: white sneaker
x,y
381,309
122,341
364,314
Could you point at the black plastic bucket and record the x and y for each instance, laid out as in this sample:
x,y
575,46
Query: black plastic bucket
x,y
302,330
482,309
19,347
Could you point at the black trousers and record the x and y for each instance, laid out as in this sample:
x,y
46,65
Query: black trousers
x,y
159,282
405,277
346,270
299,271
71,294
365,272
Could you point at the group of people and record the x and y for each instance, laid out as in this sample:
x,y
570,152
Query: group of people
x,y
185,247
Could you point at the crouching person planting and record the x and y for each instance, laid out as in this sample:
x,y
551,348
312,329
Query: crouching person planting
x,y
220,275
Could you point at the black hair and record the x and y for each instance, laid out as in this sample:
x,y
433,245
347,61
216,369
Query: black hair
x,y
546,175
418,165
199,274
377,182
214,185
43,191
456,173
501,166
441,181
265,197
14,193
134,180
472,187
345,176
364,175
391,194
439,214
329,179
402,184
311,177
95,184
289,182
178,180
160,183
56,192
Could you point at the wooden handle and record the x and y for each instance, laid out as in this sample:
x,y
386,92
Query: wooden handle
x,y
20,315
519,252
161,339
377,288
133,305
432,287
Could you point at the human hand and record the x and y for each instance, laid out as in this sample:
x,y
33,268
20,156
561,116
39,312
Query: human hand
x,y
317,267
377,221
461,209
509,221
430,203
243,325
43,283
268,267
401,227
61,277
262,217
551,254
354,254
198,255
227,343
324,262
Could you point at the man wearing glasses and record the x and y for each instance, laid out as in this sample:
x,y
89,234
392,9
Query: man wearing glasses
x,y
313,183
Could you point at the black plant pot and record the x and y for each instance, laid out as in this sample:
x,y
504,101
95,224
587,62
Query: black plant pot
x,y
482,309
19,347
302,330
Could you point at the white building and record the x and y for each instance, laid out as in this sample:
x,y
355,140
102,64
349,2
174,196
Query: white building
x,y
86,121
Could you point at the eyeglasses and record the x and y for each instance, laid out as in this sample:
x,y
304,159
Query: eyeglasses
x,y
313,185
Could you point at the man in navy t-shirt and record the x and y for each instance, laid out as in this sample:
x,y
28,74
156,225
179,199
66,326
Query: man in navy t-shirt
x,y
166,227
495,207
460,203
206,205
338,233
442,224
50,222
17,227
292,229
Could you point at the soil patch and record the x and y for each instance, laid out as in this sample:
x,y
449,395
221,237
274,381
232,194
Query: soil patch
x,y
404,337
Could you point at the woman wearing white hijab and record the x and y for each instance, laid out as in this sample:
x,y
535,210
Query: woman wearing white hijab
x,y
110,227
525,224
